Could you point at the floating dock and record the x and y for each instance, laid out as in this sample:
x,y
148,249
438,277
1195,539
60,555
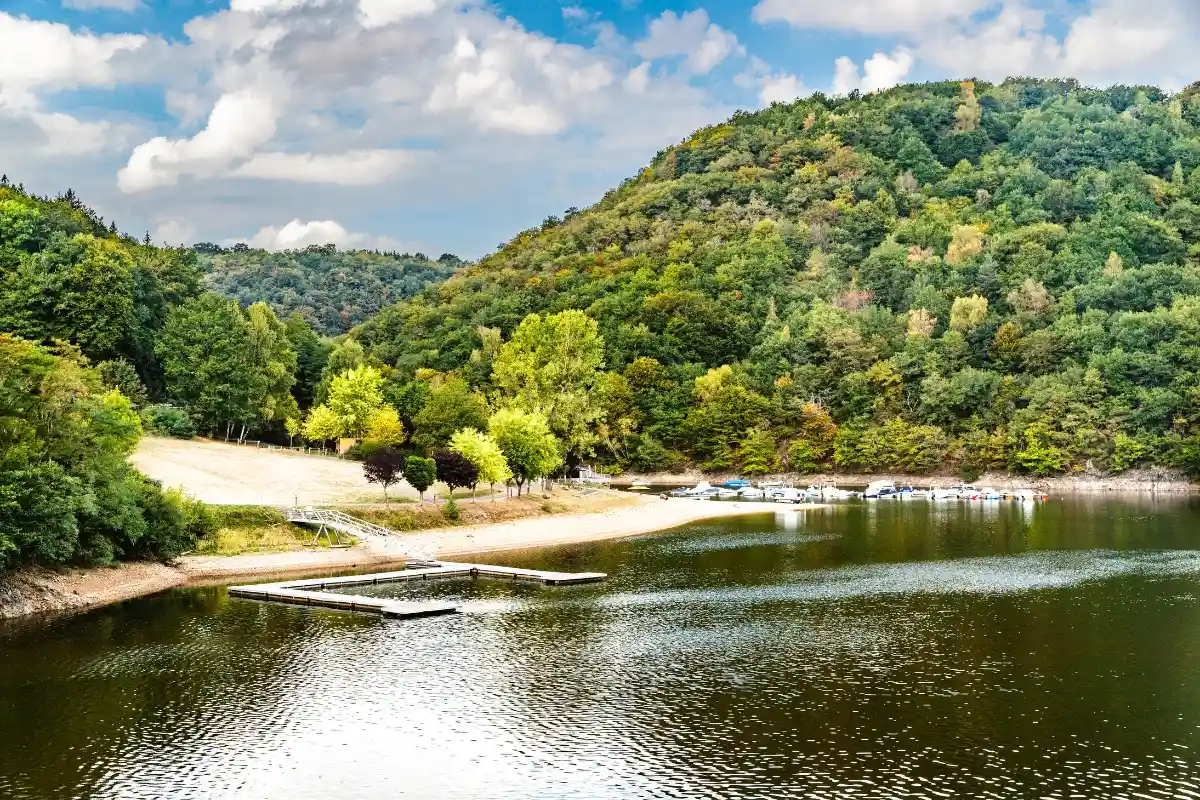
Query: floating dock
x,y
315,591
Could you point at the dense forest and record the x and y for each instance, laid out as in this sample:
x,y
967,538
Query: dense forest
x,y
951,275
333,290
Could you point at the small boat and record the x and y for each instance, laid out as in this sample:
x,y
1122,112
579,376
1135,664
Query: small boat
x,y
639,485
944,494
988,493
1028,495
790,496
966,491
834,493
918,494
750,493
699,488
879,489
711,493
728,494
736,484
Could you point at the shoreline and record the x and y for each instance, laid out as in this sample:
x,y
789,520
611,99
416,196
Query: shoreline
x,y
1131,481
45,593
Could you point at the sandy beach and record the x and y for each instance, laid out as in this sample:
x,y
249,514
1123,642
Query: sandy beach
x,y
44,591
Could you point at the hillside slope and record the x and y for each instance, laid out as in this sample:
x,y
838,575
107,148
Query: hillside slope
x,y
998,276
332,290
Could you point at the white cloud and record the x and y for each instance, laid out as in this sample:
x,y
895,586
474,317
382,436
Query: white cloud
x,y
782,88
451,97
239,123
39,57
880,71
296,235
111,5
174,232
353,168
377,13
704,44
867,16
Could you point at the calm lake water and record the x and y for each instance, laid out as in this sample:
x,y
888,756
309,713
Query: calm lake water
x,y
872,650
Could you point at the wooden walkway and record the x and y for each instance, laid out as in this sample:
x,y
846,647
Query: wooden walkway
x,y
315,591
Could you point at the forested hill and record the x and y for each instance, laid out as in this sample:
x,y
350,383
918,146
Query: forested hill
x,y
956,274
332,290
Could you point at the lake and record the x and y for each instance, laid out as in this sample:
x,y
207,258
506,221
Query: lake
x,y
870,650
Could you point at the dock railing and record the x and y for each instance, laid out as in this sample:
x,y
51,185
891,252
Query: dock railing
x,y
329,519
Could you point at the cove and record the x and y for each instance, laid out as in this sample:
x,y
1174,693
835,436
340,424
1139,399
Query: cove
x,y
869,650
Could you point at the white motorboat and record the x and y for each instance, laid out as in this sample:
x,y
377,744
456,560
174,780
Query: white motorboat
x,y
834,493
988,493
879,489
966,491
728,494
698,489
944,494
793,496
752,494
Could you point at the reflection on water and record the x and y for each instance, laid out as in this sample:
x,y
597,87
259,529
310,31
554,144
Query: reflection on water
x,y
870,650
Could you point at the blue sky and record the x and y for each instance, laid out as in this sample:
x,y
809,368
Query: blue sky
x,y
449,125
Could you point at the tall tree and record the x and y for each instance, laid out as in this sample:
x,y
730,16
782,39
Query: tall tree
x,y
451,406
482,451
385,466
529,448
204,349
455,470
550,367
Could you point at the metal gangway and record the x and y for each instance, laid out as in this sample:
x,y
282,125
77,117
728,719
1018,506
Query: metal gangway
x,y
336,525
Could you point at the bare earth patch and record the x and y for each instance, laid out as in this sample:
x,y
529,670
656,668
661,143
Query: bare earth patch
x,y
230,474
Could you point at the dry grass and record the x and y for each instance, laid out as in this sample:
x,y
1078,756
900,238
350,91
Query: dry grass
x,y
424,516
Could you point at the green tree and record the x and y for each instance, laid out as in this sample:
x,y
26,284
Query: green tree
x,y
550,366
451,406
354,396
529,448
482,451
204,348
420,473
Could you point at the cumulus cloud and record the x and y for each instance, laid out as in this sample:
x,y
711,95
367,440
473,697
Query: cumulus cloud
x,y
867,16
239,123
174,232
880,71
782,88
297,235
1109,41
452,97
353,168
39,57
704,44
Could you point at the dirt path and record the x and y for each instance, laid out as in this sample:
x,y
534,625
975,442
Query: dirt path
x,y
43,591
230,474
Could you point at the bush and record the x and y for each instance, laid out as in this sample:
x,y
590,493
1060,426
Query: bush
x,y
243,516
363,450
451,511
162,420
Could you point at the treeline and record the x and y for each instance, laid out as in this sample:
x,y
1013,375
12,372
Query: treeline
x,y
102,337
968,276
332,290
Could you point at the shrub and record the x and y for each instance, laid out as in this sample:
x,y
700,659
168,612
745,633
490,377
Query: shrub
x,y
450,510
163,420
